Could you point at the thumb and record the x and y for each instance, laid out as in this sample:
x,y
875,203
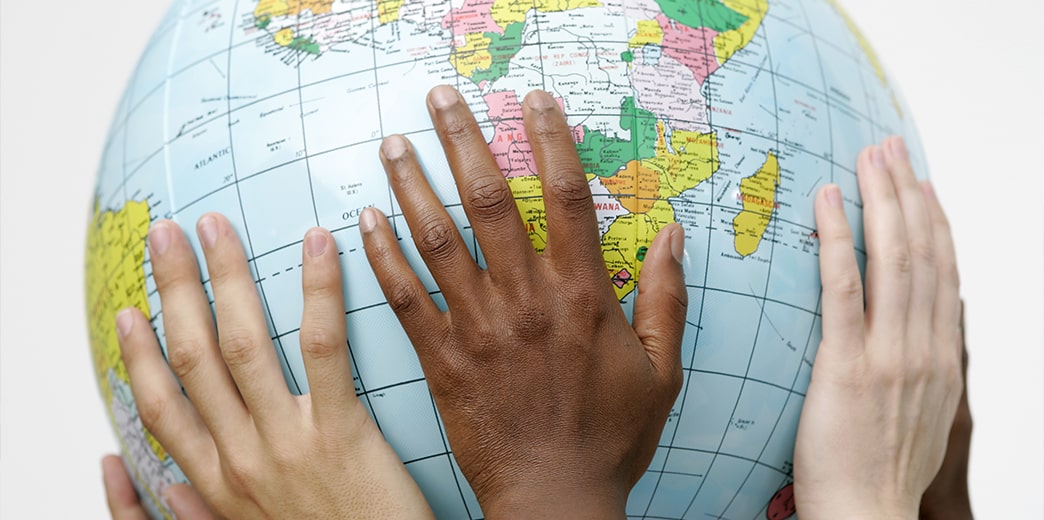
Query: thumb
x,y
659,310
185,502
119,491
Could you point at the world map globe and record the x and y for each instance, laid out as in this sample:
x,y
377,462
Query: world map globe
x,y
726,116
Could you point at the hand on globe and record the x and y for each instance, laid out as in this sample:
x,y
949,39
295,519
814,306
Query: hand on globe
x,y
124,504
947,497
251,448
553,403
887,377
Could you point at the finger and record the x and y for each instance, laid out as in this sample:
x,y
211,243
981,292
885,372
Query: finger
x,y
572,230
242,333
163,409
324,340
406,295
192,350
921,245
186,503
839,272
888,268
119,491
484,192
434,232
659,310
947,318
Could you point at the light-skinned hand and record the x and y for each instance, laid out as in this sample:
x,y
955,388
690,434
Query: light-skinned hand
x,y
250,447
124,503
947,498
887,377
553,403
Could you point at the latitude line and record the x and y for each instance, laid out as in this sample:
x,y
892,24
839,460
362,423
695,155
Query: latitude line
x,y
768,275
703,294
239,197
735,59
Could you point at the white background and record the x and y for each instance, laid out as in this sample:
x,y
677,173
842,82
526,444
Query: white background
x,y
973,74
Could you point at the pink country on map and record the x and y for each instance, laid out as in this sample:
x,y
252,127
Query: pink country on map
x,y
690,47
475,16
509,145
668,89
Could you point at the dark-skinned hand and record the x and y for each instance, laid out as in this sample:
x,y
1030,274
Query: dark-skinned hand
x,y
553,403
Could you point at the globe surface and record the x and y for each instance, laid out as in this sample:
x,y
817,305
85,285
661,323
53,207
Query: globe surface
x,y
723,115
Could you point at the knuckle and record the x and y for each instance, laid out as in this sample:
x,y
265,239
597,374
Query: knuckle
x,y
550,132
458,130
320,343
570,190
238,349
490,199
379,253
318,285
220,269
678,302
437,239
835,233
530,321
284,458
899,262
919,368
170,277
402,298
923,252
152,409
585,292
185,358
847,288
240,473
451,371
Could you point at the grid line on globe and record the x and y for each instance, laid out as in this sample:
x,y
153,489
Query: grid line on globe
x,y
722,115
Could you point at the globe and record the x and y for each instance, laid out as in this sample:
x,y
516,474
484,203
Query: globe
x,y
723,115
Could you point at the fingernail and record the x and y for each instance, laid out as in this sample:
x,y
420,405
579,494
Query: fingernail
x,y
315,243
898,147
393,147
124,322
678,244
367,221
443,97
928,190
833,195
159,238
878,158
208,231
540,100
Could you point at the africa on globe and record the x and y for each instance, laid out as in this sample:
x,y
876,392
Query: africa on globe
x,y
725,116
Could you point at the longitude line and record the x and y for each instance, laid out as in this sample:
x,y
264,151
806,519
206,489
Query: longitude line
x,y
239,196
768,276
703,293
358,373
449,454
299,57
125,102
377,96
819,302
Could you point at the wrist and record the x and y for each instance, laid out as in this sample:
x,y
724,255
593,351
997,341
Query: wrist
x,y
860,508
552,500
